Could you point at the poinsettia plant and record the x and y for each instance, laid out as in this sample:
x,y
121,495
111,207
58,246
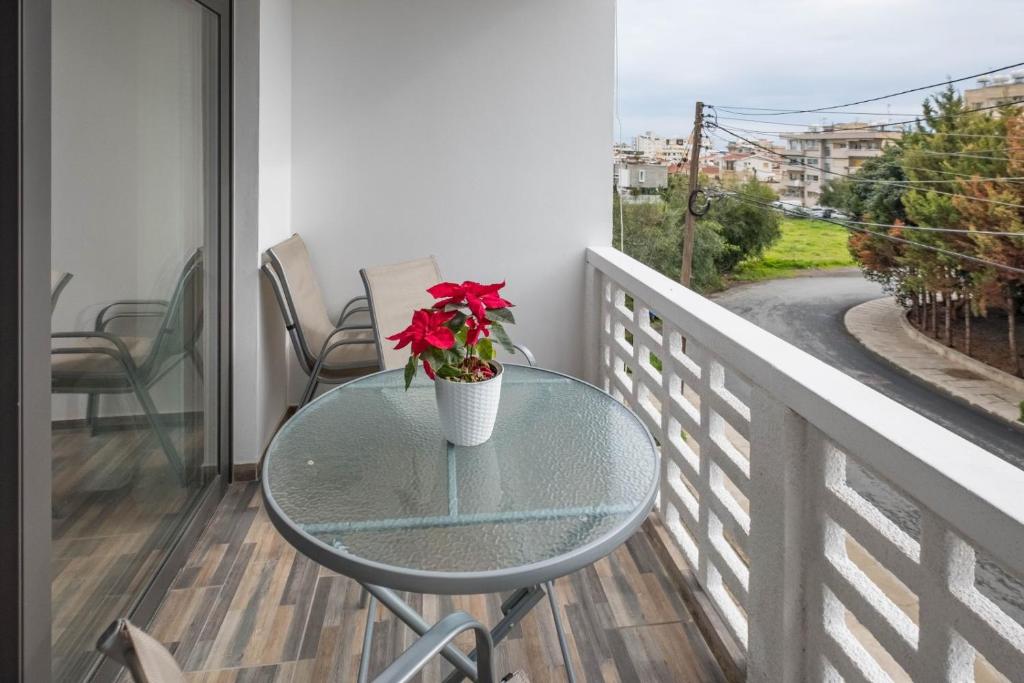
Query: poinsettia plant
x,y
453,339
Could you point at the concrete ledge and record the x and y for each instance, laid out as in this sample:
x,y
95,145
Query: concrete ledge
x,y
881,326
974,365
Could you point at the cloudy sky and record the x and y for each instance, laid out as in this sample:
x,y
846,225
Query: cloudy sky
x,y
798,54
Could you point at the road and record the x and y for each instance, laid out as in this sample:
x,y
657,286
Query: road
x,y
808,313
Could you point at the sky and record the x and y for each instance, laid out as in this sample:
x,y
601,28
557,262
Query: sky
x,y
800,54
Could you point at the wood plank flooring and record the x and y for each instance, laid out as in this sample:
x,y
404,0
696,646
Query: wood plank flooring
x,y
247,608
117,508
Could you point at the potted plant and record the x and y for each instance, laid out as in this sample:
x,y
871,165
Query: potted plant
x,y
453,342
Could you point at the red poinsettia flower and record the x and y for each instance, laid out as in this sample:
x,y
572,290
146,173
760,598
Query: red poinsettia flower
x,y
426,330
480,298
475,329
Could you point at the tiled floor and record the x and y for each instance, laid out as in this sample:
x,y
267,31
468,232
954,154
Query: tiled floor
x,y
246,607
117,508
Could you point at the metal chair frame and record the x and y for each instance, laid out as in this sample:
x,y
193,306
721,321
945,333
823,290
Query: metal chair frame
x,y
313,364
132,377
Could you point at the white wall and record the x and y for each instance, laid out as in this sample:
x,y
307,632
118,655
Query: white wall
x,y
275,201
127,159
390,129
475,130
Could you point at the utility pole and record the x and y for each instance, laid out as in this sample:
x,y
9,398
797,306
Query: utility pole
x,y
698,125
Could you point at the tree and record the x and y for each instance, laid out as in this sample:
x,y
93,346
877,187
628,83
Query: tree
x,y
863,198
730,232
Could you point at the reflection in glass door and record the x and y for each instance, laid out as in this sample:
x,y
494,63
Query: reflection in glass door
x,y
136,218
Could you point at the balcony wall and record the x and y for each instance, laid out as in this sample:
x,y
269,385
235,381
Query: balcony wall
x,y
837,534
402,128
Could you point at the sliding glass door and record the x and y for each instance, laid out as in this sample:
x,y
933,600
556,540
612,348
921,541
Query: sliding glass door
x,y
138,215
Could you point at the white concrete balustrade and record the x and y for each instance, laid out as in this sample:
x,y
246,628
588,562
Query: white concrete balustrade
x,y
834,530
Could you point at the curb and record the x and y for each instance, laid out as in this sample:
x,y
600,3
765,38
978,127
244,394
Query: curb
x,y
934,346
974,365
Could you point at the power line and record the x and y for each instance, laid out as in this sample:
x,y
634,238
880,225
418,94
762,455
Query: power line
x,y
958,231
893,238
947,134
966,155
732,107
873,126
897,183
781,112
854,178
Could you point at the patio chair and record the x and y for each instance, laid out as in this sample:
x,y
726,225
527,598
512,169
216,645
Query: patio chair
x,y
393,292
328,352
58,281
100,362
148,661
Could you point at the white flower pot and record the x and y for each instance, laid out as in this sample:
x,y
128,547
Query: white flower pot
x,y
468,409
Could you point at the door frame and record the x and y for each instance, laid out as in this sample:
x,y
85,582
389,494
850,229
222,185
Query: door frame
x,y
25,230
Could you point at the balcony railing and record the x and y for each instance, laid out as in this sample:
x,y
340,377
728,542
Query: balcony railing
x,y
836,532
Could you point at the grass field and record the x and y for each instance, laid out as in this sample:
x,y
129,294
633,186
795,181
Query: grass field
x,y
805,245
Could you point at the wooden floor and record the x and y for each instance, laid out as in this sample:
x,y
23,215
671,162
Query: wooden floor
x,y
247,608
117,508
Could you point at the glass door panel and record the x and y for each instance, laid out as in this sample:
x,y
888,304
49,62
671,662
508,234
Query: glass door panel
x,y
136,208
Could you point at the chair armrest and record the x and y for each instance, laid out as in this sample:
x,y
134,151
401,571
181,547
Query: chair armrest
x,y
349,310
122,354
433,641
530,359
101,317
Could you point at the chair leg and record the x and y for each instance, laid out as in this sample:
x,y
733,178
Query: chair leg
x,y
310,390
155,423
91,411
197,362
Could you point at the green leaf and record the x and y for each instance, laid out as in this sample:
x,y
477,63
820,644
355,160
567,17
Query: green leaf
x,y
410,371
501,314
458,321
485,348
437,356
461,336
447,371
502,336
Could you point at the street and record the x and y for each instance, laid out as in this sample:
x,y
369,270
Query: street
x,y
808,312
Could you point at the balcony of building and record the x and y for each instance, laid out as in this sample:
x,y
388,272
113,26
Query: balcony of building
x,y
806,528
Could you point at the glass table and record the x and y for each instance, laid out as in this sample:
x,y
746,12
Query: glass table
x,y
363,482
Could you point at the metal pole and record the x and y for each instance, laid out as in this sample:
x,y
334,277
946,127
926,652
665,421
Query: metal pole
x,y
698,125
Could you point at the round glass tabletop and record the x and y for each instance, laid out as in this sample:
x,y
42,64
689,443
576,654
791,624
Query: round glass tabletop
x,y
362,481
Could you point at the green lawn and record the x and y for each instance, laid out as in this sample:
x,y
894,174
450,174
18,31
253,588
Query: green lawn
x,y
805,245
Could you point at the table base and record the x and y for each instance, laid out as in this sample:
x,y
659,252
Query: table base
x,y
514,609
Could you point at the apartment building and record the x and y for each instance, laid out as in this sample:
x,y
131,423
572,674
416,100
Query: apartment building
x,y
993,91
656,148
814,156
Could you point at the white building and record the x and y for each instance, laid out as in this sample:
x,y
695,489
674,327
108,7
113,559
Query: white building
x,y
657,148
821,154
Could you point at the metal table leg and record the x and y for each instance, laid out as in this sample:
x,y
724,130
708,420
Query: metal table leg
x,y
364,658
562,642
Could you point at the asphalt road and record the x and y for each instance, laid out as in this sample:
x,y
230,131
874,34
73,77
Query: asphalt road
x,y
808,313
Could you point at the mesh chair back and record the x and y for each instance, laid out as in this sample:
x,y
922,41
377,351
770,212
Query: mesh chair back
x,y
302,296
394,292
182,323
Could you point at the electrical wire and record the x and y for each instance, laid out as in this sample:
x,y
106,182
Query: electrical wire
x,y
897,183
782,112
945,133
893,238
872,126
